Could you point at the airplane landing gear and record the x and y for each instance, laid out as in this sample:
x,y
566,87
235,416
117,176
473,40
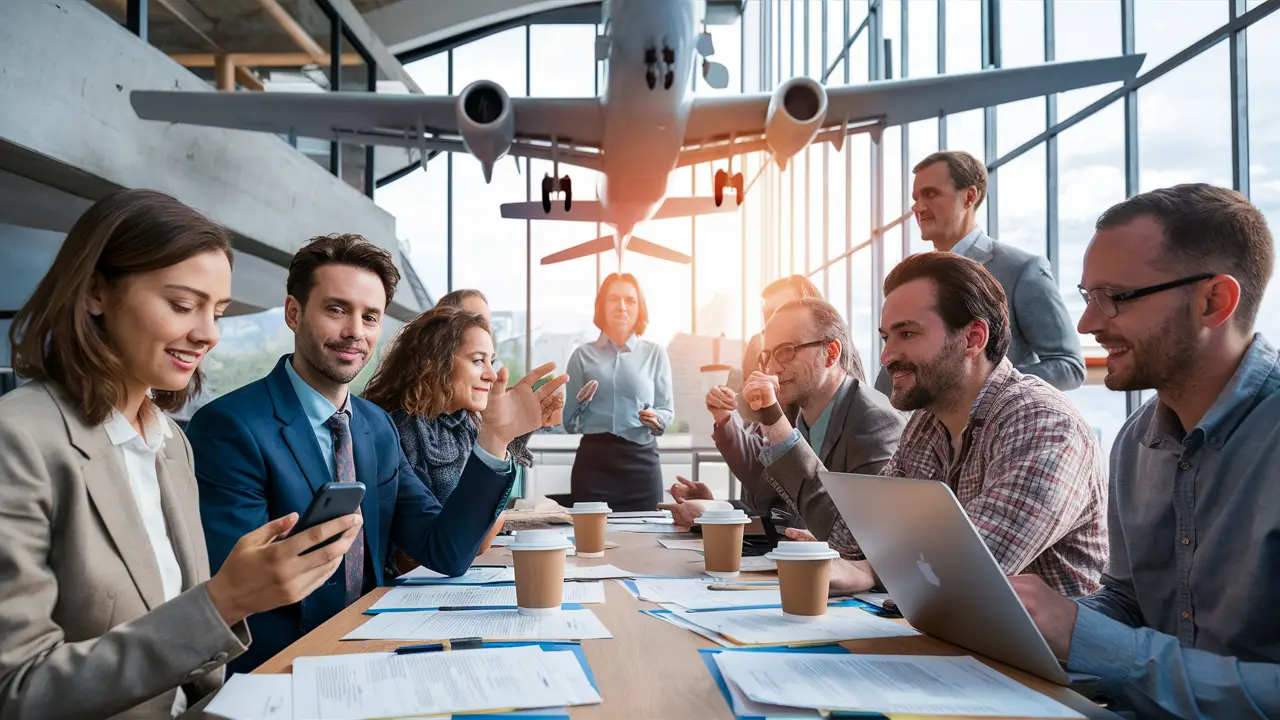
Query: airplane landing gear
x,y
723,180
550,186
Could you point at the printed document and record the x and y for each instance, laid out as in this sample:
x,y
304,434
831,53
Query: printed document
x,y
696,594
254,697
889,684
744,706
429,597
473,576
596,572
381,685
436,625
771,627
673,544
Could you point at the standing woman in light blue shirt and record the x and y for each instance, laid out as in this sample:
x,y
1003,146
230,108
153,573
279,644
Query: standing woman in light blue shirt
x,y
619,398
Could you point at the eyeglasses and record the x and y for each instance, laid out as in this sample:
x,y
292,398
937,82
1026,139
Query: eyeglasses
x,y
786,352
1108,301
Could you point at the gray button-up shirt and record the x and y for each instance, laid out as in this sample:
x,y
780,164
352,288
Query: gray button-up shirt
x,y
1187,623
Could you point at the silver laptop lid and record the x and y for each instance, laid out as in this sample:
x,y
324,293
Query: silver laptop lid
x,y
938,570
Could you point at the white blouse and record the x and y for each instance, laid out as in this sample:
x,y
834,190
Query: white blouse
x,y
139,456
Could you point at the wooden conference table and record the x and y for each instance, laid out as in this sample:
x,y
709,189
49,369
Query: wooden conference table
x,y
650,669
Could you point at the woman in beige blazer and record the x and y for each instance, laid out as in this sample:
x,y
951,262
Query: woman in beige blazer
x,y
106,604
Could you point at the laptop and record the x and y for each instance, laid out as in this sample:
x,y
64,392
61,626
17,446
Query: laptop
x,y
938,570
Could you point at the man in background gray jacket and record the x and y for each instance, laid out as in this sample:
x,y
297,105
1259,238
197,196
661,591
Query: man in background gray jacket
x,y
843,425
949,187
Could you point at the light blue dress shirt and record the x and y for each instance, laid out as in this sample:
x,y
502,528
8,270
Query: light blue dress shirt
x,y
967,242
769,454
1187,622
630,376
319,409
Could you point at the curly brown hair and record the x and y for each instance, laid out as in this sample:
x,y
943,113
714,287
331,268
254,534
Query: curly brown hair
x,y
416,373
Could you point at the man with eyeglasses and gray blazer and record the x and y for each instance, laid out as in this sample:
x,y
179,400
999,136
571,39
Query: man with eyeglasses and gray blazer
x,y
948,189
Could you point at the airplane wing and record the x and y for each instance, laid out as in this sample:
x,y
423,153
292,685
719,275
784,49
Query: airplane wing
x,y
897,102
425,121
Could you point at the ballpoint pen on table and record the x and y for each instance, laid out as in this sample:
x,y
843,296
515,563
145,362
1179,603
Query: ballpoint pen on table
x,y
468,643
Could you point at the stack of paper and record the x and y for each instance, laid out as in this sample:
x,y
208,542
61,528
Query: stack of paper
x,y
696,594
473,576
749,563
428,625
254,697
888,684
380,685
645,525
664,515
431,597
771,627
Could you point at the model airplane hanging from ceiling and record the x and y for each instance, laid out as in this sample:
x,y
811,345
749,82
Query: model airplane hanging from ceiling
x,y
646,124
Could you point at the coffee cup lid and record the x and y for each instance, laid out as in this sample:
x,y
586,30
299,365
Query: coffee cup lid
x,y
589,508
802,551
539,540
722,513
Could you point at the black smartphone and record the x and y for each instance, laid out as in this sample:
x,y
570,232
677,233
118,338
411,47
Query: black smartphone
x,y
334,500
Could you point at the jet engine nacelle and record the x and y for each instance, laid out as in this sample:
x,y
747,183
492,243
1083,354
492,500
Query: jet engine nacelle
x,y
486,122
796,112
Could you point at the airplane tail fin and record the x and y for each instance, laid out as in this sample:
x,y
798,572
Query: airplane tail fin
x,y
690,206
644,247
580,211
591,247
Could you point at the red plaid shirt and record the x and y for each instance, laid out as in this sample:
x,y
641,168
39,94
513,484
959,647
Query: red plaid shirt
x,y
1029,474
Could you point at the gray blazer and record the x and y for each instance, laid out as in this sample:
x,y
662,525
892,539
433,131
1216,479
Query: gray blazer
x,y
84,629
1044,342
862,435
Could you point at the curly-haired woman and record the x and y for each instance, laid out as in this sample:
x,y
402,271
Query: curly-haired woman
x,y
434,381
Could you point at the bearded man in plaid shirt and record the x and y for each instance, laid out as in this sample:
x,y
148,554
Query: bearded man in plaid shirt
x,y
1020,459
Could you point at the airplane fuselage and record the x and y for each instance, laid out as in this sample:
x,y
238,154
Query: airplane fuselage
x,y
644,128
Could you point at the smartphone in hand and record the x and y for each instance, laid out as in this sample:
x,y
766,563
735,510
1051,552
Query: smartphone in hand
x,y
334,500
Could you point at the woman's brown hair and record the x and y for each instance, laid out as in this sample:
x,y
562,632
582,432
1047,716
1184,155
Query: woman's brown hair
x,y
416,373
55,339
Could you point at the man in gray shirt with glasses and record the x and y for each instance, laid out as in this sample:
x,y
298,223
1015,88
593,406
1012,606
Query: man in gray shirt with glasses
x,y
1187,623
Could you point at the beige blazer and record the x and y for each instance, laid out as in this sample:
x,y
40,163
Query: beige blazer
x,y
84,629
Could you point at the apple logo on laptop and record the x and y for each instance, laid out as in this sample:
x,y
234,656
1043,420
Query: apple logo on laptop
x,y
927,571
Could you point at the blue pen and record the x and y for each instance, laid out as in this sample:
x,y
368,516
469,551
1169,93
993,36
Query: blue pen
x,y
469,643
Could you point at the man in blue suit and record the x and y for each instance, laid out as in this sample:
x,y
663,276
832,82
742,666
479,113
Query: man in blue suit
x,y
264,450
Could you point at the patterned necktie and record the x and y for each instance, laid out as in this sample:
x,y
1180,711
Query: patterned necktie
x,y
344,464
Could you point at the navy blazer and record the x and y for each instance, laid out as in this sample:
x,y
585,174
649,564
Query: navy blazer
x,y
257,458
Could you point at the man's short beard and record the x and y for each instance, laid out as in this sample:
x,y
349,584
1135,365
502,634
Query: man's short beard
x,y
935,382
1164,360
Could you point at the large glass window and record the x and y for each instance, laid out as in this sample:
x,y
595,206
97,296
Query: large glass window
x,y
1085,29
1164,27
1091,179
1264,146
1184,124
1022,202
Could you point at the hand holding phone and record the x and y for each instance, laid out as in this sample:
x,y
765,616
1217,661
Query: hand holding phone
x,y
334,500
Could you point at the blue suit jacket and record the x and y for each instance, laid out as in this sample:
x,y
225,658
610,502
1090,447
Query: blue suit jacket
x,y
257,458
